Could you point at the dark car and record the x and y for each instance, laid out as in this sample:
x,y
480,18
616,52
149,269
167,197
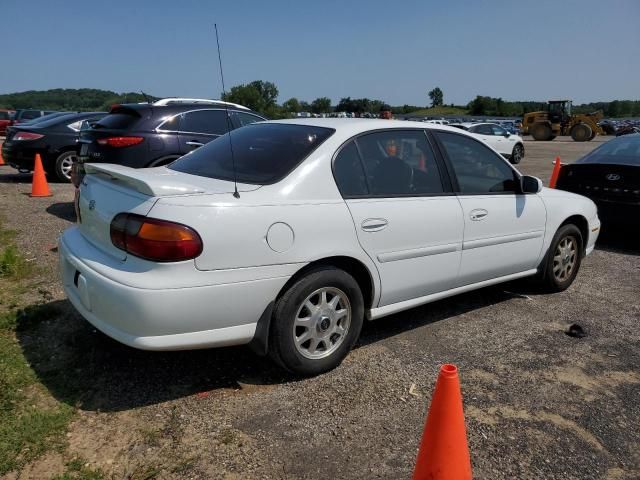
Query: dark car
x,y
25,115
5,120
610,176
55,139
150,135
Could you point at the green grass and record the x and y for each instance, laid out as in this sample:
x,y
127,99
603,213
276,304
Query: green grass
x,y
439,111
75,470
31,422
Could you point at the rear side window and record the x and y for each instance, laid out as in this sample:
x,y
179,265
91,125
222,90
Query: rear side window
x,y
477,168
4,115
118,121
263,153
348,172
209,122
30,114
399,163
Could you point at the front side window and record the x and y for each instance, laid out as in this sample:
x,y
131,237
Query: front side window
x,y
243,119
209,122
399,163
483,129
263,153
477,168
498,131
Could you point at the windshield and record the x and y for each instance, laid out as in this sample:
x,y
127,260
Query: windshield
x,y
263,153
623,150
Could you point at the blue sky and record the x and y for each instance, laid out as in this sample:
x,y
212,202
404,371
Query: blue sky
x,y
396,51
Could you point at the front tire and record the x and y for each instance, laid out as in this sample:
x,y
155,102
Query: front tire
x,y
581,132
541,132
316,322
563,259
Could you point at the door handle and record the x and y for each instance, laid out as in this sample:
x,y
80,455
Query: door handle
x,y
478,214
193,143
374,224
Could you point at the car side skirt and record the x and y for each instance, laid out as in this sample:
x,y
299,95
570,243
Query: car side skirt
x,y
380,312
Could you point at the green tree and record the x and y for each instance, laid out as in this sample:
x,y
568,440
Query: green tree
x,y
291,106
258,95
437,97
321,105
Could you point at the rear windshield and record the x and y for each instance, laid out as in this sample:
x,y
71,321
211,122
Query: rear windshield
x,y
623,150
117,121
263,153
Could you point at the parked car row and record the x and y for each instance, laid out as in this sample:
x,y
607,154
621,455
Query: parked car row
x,y
134,135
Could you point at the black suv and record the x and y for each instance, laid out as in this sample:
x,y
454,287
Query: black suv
x,y
154,134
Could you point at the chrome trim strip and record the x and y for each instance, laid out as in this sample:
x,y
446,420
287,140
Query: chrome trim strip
x,y
486,242
417,252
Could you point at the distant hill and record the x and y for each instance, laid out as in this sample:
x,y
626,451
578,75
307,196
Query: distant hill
x,y
68,99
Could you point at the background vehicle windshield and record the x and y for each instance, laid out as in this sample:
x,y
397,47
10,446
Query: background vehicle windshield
x,y
622,151
264,153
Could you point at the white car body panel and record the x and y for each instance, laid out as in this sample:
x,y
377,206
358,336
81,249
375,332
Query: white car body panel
x,y
500,144
428,249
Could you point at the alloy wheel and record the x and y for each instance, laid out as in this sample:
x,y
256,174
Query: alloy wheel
x,y
564,259
322,323
66,164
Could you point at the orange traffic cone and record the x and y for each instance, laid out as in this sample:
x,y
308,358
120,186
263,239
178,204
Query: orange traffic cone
x,y
1,159
557,165
444,454
39,185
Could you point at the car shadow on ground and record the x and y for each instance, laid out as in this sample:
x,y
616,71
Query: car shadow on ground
x,y
9,175
63,210
82,367
619,239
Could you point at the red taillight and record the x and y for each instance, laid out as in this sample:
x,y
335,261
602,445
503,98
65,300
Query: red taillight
x,y
153,239
119,142
26,136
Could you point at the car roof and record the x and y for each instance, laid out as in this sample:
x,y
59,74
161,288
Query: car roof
x,y
355,126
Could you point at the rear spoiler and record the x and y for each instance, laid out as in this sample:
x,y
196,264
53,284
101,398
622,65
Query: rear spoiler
x,y
155,182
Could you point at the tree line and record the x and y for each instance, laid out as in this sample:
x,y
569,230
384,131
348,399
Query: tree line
x,y
262,96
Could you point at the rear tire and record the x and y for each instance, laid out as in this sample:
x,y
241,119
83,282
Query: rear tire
x,y
541,132
316,322
517,154
563,259
62,166
581,132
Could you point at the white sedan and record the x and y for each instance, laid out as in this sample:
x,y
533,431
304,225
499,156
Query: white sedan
x,y
306,230
507,144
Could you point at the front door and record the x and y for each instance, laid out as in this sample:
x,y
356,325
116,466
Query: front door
x,y
503,229
406,217
201,126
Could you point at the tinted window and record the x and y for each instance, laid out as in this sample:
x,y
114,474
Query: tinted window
x,y
483,129
399,162
348,172
263,153
497,130
118,121
171,125
477,168
246,118
28,114
4,115
211,122
624,150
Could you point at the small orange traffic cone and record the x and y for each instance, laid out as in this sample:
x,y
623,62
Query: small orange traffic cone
x,y
1,159
444,454
39,185
557,165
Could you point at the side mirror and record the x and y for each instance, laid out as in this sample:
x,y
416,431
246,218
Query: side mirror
x,y
507,134
529,184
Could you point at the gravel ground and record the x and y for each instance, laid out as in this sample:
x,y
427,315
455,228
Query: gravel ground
x,y
538,403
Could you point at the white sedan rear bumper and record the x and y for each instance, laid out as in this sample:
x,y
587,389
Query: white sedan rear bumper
x,y
162,318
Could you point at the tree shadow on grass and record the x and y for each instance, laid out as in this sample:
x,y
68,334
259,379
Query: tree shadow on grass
x,y
84,368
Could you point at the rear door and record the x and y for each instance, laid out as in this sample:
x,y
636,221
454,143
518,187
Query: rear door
x,y
503,229
407,218
201,126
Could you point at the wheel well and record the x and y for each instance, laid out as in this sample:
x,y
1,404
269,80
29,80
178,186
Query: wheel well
x,y
582,224
350,265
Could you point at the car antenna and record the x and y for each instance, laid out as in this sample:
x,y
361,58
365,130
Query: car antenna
x,y
226,111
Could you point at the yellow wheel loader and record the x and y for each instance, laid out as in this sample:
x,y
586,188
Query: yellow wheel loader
x,y
558,120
